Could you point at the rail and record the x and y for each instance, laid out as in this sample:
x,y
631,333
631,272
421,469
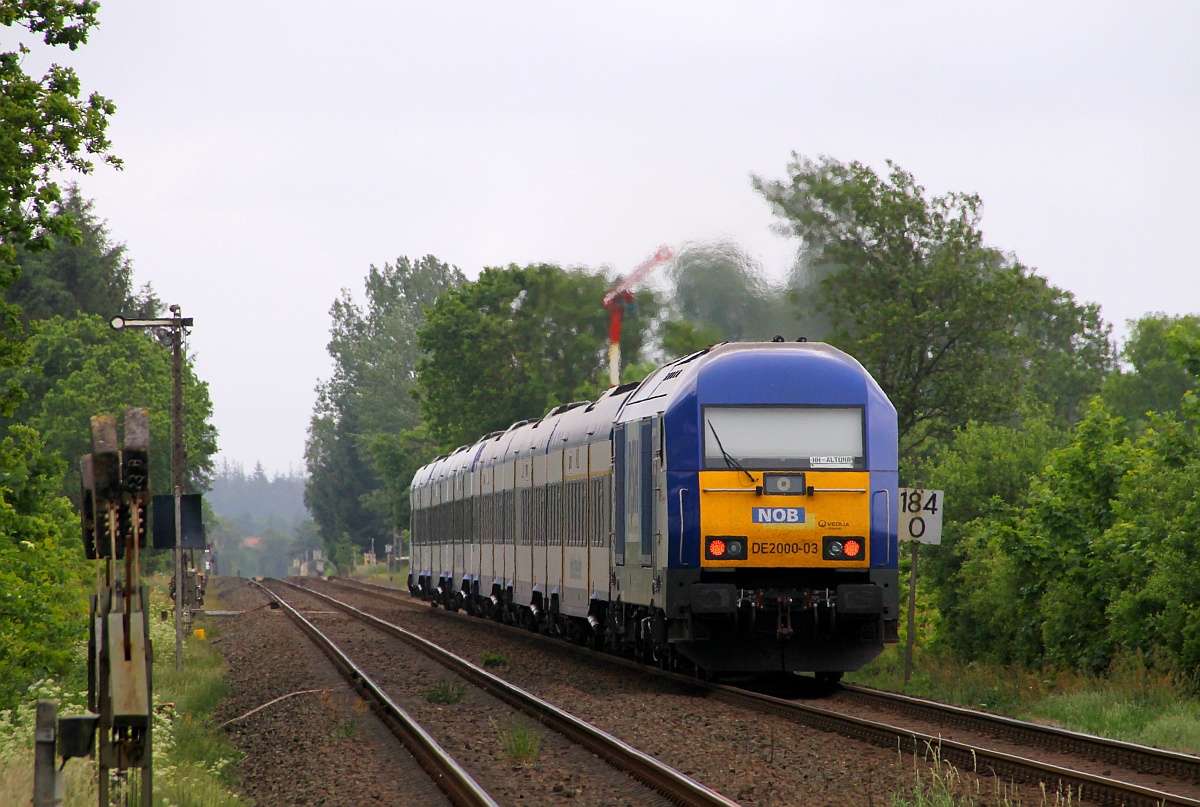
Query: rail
x,y
966,756
460,788
670,783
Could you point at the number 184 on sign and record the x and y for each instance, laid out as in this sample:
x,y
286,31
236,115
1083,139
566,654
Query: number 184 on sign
x,y
921,515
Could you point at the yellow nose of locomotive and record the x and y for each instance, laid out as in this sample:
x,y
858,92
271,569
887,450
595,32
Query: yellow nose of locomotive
x,y
813,519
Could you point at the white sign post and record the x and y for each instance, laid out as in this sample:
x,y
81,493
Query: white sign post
x,y
920,523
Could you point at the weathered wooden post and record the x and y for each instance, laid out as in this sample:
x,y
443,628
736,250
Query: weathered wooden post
x,y
47,783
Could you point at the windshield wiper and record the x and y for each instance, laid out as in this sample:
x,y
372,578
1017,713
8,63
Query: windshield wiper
x,y
730,462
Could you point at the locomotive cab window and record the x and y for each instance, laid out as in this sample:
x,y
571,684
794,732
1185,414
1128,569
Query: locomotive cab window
x,y
784,437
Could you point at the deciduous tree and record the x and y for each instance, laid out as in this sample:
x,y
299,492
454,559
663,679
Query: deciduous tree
x,y
513,344
81,367
721,288
949,326
683,337
1156,374
45,127
369,399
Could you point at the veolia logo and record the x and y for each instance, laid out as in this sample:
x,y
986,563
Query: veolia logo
x,y
778,515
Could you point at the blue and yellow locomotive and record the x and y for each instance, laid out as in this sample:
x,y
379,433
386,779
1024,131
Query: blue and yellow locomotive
x,y
734,512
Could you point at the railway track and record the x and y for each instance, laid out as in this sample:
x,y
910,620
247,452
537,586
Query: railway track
x,y
1096,769
1151,761
663,782
460,787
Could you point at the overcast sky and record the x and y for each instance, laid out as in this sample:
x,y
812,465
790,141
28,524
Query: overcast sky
x,y
274,151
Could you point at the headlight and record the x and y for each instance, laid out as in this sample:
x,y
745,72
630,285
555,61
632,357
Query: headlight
x,y
784,485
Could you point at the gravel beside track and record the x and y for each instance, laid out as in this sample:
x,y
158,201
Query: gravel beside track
x,y
316,748
757,760
470,729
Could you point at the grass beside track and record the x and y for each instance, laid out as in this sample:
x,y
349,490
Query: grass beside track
x,y
1132,702
380,576
192,764
937,783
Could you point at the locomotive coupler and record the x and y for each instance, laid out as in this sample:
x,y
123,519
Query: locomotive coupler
x,y
783,622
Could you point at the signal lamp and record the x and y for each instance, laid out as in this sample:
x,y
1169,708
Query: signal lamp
x,y
835,547
725,547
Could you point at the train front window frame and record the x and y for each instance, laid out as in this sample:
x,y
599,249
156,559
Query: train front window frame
x,y
775,438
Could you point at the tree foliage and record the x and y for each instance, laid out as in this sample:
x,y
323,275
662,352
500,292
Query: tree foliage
x,y
514,343
369,398
43,606
251,498
683,337
948,326
81,367
1068,347
46,125
1094,556
985,470
722,289
90,275
1157,374
396,458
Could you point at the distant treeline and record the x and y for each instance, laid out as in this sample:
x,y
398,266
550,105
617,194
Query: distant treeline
x,y
254,496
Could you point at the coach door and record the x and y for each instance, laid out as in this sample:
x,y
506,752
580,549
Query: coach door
x,y
633,545
645,482
619,490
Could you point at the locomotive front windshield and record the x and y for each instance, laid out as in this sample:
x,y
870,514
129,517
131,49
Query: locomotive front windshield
x,y
783,437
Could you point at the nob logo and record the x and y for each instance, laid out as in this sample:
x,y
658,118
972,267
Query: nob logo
x,y
778,515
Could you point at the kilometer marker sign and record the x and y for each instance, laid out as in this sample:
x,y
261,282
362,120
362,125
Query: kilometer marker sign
x,y
921,515
920,523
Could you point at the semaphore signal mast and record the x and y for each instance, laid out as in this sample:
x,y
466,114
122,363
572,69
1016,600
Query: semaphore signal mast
x,y
620,298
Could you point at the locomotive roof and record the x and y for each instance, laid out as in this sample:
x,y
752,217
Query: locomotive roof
x,y
766,372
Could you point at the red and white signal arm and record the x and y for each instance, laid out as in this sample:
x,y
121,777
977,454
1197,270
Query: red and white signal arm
x,y
921,515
